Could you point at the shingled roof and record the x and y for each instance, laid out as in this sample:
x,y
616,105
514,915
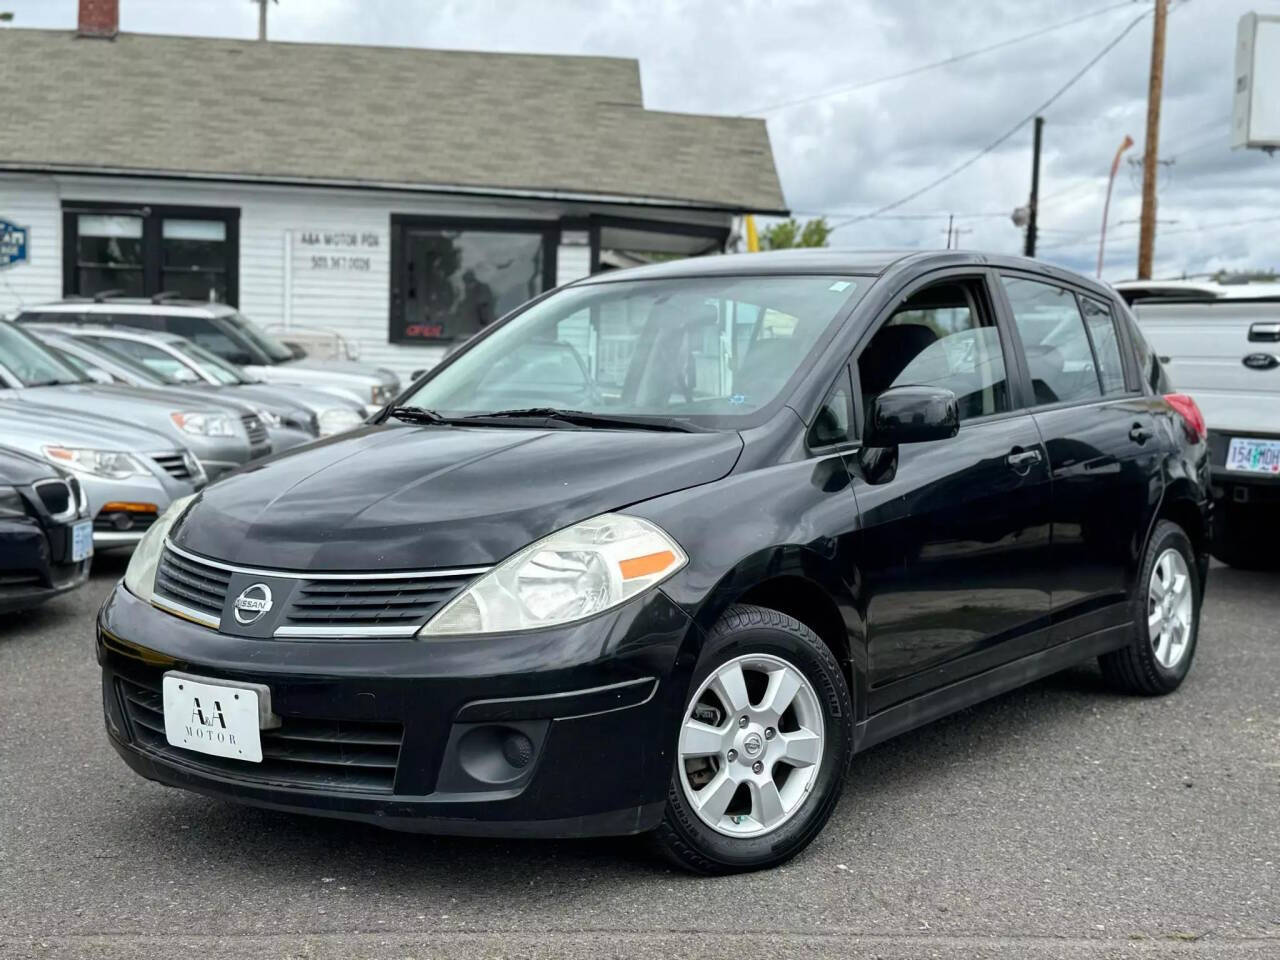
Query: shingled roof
x,y
387,116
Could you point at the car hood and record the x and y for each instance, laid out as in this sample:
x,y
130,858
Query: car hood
x,y
21,420
345,367
399,497
147,406
17,467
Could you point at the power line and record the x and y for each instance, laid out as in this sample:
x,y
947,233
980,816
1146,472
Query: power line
x,y
1273,218
959,57
1004,136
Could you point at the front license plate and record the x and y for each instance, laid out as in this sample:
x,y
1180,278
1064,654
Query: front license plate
x,y
1253,456
208,718
81,541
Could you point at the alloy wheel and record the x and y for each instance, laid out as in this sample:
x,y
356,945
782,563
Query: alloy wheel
x,y
1169,608
751,745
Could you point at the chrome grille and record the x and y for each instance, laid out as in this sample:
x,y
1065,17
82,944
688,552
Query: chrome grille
x,y
57,497
174,464
254,426
191,583
358,602
355,755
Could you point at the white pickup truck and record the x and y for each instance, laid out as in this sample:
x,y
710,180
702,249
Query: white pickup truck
x,y
1220,343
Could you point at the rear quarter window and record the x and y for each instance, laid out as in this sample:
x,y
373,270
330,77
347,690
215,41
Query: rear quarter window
x,y
1150,370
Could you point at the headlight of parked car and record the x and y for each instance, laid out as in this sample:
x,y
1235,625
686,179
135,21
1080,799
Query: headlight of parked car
x,y
338,420
11,503
112,464
205,424
573,574
140,575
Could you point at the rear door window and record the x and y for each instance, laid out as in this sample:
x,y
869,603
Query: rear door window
x,y
1106,346
1059,356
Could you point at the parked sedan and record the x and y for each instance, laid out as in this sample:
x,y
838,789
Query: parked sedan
x,y
167,359
221,436
232,336
812,500
129,474
46,536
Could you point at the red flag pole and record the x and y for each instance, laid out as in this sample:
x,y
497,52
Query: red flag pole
x,y
1106,206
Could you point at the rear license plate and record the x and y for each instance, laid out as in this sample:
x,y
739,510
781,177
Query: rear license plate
x,y
81,541
213,719
1253,456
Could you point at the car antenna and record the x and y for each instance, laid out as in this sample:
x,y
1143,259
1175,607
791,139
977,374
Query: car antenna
x,y
102,296
164,295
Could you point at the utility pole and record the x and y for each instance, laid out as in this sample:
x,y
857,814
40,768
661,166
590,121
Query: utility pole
x,y
1151,148
1030,247
262,17
951,218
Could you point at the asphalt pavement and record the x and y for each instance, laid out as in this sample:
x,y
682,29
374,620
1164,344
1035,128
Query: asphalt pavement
x,y
1062,820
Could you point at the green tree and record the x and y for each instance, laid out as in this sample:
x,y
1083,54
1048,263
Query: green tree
x,y
789,233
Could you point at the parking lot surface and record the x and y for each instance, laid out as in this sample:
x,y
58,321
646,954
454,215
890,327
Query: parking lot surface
x,y
1061,820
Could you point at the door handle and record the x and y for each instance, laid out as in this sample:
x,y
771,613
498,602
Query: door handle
x,y
1140,434
1021,460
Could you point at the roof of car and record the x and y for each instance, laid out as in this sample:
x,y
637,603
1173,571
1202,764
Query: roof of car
x,y
168,308
843,262
74,330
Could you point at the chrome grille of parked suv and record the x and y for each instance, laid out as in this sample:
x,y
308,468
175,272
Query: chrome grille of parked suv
x,y
255,428
174,464
354,755
192,584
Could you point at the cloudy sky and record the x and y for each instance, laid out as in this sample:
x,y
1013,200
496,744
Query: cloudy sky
x,y
843,152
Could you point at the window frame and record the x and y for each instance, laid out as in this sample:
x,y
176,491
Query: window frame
x,y
403,223
153,217
986,280
1020,358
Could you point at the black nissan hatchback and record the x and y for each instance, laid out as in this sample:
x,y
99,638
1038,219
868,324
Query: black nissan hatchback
x,y
661,550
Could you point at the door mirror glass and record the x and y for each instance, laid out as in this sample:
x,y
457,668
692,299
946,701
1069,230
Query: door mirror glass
x,y
911,415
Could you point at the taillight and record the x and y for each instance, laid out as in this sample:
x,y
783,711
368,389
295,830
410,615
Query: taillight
x,y
1191,415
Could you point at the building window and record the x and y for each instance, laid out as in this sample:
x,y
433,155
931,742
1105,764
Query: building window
x,y
450,279
190,252
109,254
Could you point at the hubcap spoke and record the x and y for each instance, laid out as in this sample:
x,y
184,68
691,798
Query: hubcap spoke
x,y
731,687
713,799
698,739
766,802
1155,623
801,748
781,691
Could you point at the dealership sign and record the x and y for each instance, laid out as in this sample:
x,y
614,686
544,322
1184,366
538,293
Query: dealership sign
x,y
13,244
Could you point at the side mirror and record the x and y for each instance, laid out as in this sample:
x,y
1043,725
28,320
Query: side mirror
x,y
299,353
417,374
911,415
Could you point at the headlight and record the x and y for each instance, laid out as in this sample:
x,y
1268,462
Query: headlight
x,y
11,503
338,420
204,424
112,464
570,575
140,575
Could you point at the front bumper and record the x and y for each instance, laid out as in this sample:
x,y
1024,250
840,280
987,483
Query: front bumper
x,y
34,564
416,735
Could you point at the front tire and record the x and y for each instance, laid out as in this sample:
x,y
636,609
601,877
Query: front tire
x,y
1166,613
765,740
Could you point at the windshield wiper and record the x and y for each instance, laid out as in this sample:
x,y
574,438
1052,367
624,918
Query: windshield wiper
x,y
417,415
584,418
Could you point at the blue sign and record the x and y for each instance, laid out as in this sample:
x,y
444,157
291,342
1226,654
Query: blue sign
x,y
13,244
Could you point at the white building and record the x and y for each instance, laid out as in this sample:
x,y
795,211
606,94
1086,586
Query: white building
x,y
401,197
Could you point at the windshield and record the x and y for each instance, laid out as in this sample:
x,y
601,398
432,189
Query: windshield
x,y
213,364
105,348
709,349
31,362
264,341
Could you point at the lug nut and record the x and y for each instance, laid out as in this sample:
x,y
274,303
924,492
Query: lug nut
x,y
769,733
732,755
743,721
757,767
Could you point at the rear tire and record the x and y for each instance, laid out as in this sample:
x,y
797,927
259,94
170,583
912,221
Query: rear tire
x,y
765,741
1166,614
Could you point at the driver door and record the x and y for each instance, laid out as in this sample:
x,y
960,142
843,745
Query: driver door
x,y
954,544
